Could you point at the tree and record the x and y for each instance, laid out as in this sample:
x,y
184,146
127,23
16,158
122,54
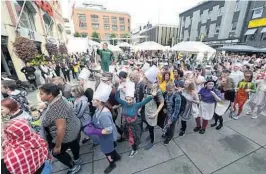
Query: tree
x,y
113,36
25,49
125,35
96,36
77,34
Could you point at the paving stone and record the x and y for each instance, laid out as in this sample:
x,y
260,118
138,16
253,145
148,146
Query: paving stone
x,y
179,165
58,166
253,163
86,169
254,129
215,149
144,159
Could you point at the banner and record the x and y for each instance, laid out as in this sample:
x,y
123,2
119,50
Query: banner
x,y
257,23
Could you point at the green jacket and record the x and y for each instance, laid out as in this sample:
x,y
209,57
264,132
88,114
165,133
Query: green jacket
x,y
106,58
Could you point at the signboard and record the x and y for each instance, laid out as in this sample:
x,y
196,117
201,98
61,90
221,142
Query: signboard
x,y
45,6
257,23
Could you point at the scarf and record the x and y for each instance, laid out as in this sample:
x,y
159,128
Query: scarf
x,y
24,150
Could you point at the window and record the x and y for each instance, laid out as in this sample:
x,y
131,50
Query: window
x,y
221,11
82,21
237,5
128,20
210,14
68,32
49,24
257,13
128,28
234,24
121,20
94,18
114,27
107,36
106,19
95,26
263,36
27,16
217,30
114,20
106,27
122,28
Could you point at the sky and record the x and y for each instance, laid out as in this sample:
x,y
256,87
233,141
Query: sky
x,y
152,11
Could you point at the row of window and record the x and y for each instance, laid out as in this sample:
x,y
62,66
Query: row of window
x,y
106,20
96,26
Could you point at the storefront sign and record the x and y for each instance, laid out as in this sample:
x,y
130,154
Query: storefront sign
x,y
45,6
257,23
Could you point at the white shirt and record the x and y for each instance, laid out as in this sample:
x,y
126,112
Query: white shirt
x,y
237,76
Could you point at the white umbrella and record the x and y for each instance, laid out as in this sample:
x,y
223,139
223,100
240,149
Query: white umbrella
x,y
192,46
124,44
77,45
150,45
113,48
93,43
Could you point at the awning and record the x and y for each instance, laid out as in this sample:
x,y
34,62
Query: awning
x,y
251,31
263,30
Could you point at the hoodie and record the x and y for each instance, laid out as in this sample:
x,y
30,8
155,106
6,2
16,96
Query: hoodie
x,y
82,110
20,98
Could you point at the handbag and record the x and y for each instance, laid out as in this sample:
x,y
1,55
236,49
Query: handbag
x,y
48,167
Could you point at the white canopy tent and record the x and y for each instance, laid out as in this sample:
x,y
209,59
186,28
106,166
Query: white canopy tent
x,y
194,47
77,44
112,47
149,45
93,43
124,45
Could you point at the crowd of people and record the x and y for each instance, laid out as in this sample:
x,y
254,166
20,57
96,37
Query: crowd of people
x,y
129,100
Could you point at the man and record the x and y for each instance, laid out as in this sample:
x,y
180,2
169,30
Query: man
x,y
106,57
179,80
10,88
29,72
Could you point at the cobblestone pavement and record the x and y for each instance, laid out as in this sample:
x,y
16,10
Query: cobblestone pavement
x,y
238,148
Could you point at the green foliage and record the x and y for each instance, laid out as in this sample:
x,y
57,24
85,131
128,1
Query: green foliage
x,y
77,34
113,42
25,48
38,60
125,35
96,36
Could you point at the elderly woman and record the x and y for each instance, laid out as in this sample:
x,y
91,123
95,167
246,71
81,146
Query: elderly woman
x,y
11,109
130,112
23,150
60,127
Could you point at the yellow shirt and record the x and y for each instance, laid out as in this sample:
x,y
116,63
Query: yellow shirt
x,y
76,68
162,84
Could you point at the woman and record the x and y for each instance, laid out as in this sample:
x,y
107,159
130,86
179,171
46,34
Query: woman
x,y
165,79
104,126
11,110
208,99
60,127
227,90
23,150
130,114
192,101
257,101
81,107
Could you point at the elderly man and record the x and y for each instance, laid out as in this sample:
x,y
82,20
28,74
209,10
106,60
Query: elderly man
x,y
106,57
236,74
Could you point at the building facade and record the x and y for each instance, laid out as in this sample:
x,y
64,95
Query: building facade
x,y
87,20
217,23
163,34
40,21
255,25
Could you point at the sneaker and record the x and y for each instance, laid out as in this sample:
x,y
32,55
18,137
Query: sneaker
x,y
254,117
248,113
149,146
166,142
182,133
110,168
117,158
236,117
214,124
85,140
133,153
74,169
196,129
219,127
202,131
78,161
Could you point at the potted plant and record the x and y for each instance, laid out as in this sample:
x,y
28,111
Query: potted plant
x,y
25,49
